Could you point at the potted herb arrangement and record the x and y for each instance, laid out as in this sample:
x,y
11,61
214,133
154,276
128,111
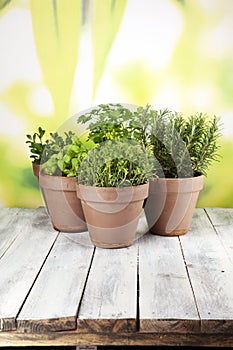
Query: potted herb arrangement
x,y
112,180
184,148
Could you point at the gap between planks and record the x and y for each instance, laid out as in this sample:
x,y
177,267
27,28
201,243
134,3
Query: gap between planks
x,y
190,282
37,276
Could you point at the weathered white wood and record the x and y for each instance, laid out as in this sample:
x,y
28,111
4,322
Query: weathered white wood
x,y
211,273
53,302
222,220
166,301
221,216
22,261
110,299
8,221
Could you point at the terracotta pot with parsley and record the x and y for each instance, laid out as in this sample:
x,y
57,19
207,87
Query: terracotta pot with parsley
x,y
113,179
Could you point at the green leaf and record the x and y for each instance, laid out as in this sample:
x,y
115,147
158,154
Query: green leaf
x,y
3,3
107,17
57,27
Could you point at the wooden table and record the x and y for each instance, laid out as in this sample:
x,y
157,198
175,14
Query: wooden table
x,y
57,289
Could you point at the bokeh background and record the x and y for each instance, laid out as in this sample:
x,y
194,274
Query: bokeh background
x,y
60,57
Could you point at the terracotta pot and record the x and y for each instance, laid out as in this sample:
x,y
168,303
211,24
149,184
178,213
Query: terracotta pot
x,y
36,172
170,205
112,213
64,207
36,169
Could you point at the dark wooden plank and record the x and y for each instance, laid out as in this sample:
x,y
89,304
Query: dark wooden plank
x,y
211,274
166,300
53,302
22,261
110,299
72,338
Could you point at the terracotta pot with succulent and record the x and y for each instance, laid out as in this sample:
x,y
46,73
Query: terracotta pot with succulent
x,y
113,178
57,181
183,149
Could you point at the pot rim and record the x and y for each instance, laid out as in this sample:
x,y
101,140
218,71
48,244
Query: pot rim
x,y
57,183
181,185
112,194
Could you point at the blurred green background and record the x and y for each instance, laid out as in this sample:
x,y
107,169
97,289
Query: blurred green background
x,y
60,57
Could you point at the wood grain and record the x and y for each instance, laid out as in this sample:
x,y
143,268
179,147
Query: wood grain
x,y
110,298
211,274
22,261
72,338
222,220
166,301
185,291
8,220
53,302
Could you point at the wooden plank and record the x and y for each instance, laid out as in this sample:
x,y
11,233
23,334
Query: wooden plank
x,y
222,220
53,302
72,338
8,219
220,216
211,274
110,299
21,263
166,301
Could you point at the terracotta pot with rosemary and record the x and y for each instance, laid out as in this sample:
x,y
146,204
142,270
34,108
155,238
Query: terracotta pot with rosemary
x,y
112,181
183,148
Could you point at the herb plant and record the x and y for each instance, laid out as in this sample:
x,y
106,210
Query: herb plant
x,y
184,147
108,122
116,163
64,155
36,145
116,122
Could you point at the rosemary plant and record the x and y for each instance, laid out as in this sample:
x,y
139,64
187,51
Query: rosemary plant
x,y
184,147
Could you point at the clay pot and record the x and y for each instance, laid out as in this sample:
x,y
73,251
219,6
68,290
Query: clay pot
x,y
36,172
112,213
64,207
36,169
170,205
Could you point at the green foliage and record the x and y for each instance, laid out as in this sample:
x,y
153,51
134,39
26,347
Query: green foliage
x,y
116,122
184,147
64,155
55,144
108,122
116,163
36,145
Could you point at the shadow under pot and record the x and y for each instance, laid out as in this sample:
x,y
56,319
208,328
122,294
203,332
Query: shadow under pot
x,y
64,207
170,204
112,213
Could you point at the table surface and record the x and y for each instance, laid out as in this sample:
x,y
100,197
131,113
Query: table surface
x,y
58,289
